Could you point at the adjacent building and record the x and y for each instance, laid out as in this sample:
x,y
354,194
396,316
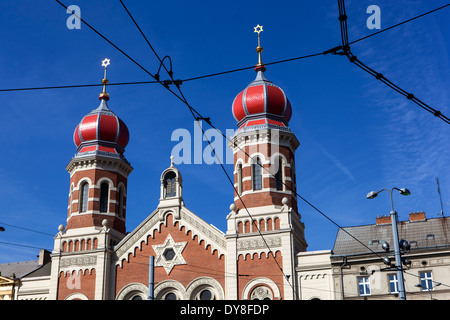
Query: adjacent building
x,y
359,273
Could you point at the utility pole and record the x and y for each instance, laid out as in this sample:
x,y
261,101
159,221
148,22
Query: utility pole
x,y
151,278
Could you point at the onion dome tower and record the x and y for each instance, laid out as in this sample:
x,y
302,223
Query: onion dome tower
x,y
262,111
99,170
264,223
97,206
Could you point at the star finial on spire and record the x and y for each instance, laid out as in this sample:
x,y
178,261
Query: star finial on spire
x,y
259,49
104,95
258,29
106,62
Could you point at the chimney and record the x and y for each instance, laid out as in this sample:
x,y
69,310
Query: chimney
x,y
383,219
44,257
417,216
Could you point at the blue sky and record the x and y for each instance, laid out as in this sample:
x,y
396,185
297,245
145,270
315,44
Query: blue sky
x,y
356,134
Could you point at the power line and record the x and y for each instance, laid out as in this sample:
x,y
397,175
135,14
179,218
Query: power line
x,y
199,117
352,58
22,245
77,86
31,230
221,164
399,24
344,49
332,50
183,99
164,82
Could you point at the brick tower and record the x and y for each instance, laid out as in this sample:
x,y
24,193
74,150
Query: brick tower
x,y
264,228
97,205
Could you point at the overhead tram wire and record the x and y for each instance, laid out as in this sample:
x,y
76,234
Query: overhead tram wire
x,y
220,162
26,229
158,81
333,50
126,55
399,24
345,47
210,123
231,182
77,86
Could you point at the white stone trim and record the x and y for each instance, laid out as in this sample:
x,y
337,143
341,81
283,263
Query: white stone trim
x,y
262,281
132,289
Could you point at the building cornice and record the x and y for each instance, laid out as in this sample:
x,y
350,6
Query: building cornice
x,y
99,162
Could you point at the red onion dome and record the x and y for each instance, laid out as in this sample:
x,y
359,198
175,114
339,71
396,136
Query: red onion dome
x,y
262,100
101,132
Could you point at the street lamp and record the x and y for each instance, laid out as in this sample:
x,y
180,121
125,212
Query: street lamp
x,y
405,245
430,290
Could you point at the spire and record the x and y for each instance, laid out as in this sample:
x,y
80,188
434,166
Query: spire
x,y
104,95
259,49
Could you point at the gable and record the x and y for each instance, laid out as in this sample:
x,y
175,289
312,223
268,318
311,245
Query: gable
x,y
185,220
4,281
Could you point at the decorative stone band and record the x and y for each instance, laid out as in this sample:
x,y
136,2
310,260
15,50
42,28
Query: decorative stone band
x,y
71,264
272,242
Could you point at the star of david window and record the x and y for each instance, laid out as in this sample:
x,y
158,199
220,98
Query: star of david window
x,y
169,254
170,184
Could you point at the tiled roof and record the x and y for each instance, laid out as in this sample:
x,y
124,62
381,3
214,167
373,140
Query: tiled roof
x,y
18,268
429,233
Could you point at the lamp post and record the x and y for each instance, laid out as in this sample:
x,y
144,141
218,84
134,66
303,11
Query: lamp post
x,y
430,290
394,221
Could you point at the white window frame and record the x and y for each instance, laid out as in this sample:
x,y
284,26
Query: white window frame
x,y
365,283
394,281
426,277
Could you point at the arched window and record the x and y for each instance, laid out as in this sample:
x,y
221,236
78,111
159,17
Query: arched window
x,y
257,174
279,174
104,195
239,178
120,204
261,293
170,184
70,200
84,197
293,177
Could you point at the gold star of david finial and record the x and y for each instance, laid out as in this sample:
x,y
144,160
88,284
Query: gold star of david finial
x,y
105,63
259,49
258,29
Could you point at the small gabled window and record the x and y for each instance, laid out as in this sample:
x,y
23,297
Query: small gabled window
x,y
170,183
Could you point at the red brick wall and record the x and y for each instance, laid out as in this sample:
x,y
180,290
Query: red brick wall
x,y
95,220
200,261
264,198
83,283
265,266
